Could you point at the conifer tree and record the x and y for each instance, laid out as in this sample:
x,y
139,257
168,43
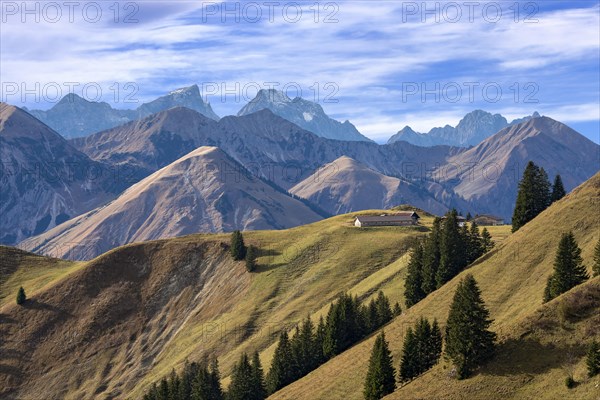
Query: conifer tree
x,y
238,249
384,311
596,266
468,340
173,384
569,270
475,245
251,258
242,381
303,348
397,310
380,379
215,391
319,341
409,365
593,359
371,316
558,190
452,250
413,287
423,352
543,191
258,379
431,257
21,296
533,196
434,345
486,241
281,373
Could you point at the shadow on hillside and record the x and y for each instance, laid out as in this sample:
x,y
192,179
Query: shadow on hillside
x,y
6,354
10,370
33,304
5,319
270,254
527,356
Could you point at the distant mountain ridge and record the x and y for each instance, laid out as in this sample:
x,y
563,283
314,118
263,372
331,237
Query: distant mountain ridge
x,y
44,179
204,191
472,129
306,114
74,116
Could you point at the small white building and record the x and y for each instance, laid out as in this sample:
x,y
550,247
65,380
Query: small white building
x,y
398,219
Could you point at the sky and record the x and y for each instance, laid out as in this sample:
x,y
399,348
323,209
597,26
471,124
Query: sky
x,y
380,64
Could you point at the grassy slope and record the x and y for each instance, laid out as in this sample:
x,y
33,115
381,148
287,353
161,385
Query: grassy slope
x,y
301,271
20,268
512,279
138,311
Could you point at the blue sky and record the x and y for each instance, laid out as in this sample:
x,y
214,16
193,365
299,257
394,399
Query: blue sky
x,y
380,64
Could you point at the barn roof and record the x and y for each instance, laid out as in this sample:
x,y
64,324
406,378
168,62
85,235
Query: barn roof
x,y
399,217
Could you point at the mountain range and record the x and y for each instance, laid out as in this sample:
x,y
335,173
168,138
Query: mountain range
x,y
275,152
74,116
204,191
472,129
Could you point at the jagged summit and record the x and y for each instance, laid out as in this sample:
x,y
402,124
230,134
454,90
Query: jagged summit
x,y
304,113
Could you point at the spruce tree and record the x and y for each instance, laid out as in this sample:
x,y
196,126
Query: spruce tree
x,y
409,364
468,340
258,379
215,391
397,310
533,195
434,345
596,266
452,250
173,384
413,286
593,359
423,352
380,379
558,190
242,379
251,258
486,241
281,373
475,245
431,257
238,249
569,270
303,348
320,334
371,316
21,296
384,311
543,191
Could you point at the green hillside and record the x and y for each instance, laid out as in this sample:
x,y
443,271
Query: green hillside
x,y
538,343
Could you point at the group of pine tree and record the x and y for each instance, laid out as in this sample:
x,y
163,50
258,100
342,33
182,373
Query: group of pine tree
x,y
447,250
535,194
239,251
469,343
347,322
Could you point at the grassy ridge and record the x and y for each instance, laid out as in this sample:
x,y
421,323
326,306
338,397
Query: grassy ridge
x,y
512,279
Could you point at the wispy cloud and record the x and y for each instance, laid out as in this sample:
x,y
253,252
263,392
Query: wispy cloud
x,y
368,54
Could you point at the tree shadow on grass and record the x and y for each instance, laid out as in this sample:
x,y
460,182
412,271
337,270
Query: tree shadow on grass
x,y
527,356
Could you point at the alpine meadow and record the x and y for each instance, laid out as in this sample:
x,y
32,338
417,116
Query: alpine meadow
x,y
307,200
